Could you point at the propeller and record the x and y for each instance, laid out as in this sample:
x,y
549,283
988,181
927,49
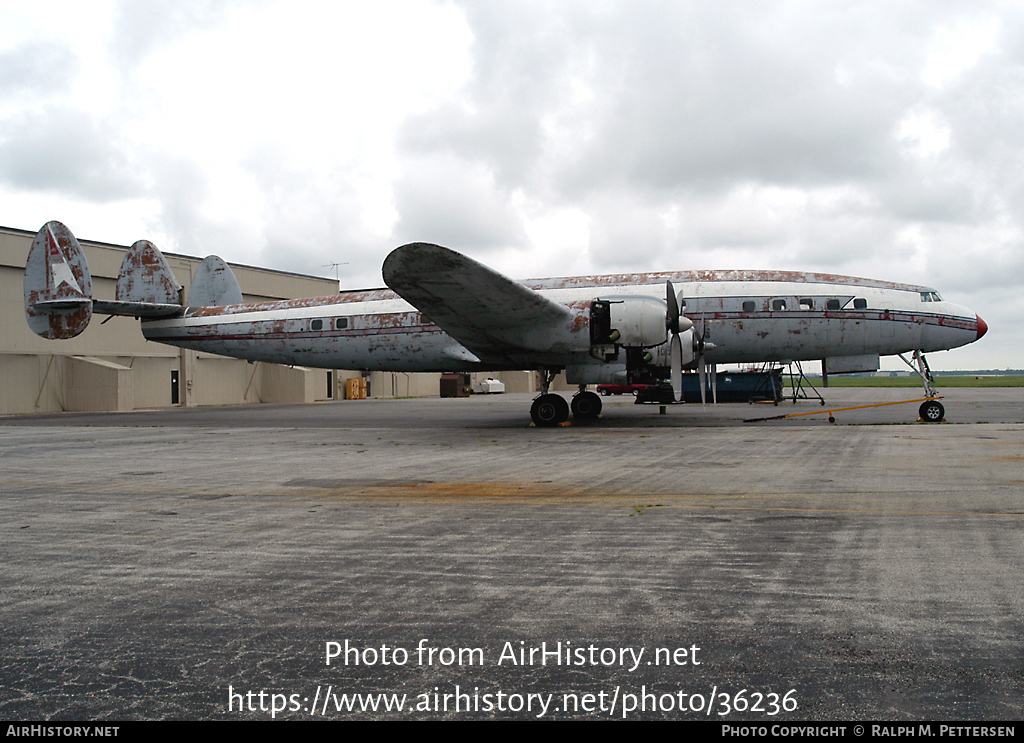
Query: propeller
x,y
701,345
675,324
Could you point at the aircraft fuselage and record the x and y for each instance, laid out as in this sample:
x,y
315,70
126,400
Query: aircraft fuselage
x,y
748,316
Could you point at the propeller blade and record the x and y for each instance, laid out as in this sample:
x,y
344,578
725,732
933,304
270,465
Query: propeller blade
x,y
714,383
676,360
672,315
675,325
703,379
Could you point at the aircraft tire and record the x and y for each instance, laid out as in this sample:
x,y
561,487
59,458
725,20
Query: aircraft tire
x,y
931,411
549,410
586,405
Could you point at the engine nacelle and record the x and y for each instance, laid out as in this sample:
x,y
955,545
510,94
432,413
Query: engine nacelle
x,y
631,322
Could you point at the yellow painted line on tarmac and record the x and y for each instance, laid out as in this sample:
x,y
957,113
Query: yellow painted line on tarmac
x,y
839,410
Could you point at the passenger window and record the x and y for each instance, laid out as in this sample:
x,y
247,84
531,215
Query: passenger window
x,y
832,304
316,325
341,323
749,305
860,304
806,303
778,304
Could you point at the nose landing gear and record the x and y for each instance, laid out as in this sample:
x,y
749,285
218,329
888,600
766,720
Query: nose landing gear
x,y
931,411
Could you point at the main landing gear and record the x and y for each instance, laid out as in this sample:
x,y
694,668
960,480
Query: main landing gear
x,y
586,404
550,409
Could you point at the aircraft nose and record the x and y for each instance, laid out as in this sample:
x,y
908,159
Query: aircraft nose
x,y
982,326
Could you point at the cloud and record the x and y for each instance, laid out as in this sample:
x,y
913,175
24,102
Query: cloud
x,y
142,26
67,150
455,202
639,114
31,70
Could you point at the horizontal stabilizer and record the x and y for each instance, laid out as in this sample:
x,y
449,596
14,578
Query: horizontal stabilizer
x,y
72,304
144,310
485,311
214,284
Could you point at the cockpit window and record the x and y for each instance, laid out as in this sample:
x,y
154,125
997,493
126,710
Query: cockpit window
x,y
860,304
930,297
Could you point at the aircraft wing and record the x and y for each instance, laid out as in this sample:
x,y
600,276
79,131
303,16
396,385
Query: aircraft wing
x,y
490,314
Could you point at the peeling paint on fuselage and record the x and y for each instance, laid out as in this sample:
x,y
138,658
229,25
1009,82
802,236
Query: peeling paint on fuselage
x,y
739,310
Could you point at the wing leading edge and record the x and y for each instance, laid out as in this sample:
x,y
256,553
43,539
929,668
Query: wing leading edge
x,y
492,315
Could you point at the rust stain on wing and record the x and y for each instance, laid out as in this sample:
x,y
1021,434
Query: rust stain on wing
x,y
580,315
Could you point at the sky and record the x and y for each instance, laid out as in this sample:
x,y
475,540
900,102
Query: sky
x,y
874,139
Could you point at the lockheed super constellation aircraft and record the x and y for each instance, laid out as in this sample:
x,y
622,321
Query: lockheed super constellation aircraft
x,y
445,312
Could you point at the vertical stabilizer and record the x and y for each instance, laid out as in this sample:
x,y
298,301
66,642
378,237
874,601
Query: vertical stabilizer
x,y
58,285
146,278
214,284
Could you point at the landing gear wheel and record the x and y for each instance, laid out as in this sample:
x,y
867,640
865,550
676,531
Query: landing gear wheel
x,y
931,411
585,405
549,410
